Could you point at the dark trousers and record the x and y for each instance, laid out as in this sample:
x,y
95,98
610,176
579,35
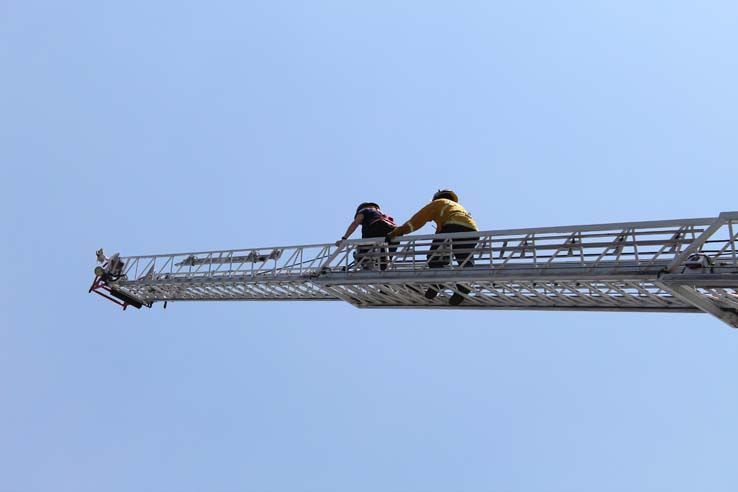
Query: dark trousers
x,y
462,248
378,229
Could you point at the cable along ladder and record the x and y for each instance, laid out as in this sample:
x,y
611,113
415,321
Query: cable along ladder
x,y
683,265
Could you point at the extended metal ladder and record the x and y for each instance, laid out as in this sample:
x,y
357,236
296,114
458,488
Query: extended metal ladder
x,y
684,265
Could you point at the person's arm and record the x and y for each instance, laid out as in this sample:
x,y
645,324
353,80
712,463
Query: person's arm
x,y
424,215
351,228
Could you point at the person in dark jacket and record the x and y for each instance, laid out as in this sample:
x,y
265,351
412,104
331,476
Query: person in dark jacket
x,y
374,223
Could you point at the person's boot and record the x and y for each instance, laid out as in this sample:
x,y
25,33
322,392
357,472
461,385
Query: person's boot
x,y
458,298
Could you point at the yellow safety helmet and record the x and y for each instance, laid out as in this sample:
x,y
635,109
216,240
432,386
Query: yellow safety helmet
x,y
448,194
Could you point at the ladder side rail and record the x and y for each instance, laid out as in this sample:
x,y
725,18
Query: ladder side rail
x,y
644,251
587,251
653,224
258,263
135,261
233,250
613,249
538,230
488,237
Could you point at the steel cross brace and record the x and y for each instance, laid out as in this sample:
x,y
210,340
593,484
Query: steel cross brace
x,y
691,296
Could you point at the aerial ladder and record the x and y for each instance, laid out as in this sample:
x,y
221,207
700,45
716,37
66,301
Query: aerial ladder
x,y
677,266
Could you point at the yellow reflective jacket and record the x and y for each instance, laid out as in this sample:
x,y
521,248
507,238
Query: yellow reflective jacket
x,y
442,212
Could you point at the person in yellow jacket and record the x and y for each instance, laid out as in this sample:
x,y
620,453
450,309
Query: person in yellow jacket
x,y
449,216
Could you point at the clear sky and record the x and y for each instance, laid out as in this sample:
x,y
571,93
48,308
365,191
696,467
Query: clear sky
x,y
154,127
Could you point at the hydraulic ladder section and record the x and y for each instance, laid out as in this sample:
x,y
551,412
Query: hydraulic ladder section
x,y
684,265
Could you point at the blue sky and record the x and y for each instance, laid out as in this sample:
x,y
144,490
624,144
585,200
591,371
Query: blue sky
x,y
153,127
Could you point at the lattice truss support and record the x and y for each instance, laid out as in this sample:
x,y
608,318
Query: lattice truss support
x,y
685,265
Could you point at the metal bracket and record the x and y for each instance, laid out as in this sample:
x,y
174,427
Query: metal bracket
x,y
722,219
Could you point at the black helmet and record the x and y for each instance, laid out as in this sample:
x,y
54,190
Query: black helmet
x,y
448,194
367,205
